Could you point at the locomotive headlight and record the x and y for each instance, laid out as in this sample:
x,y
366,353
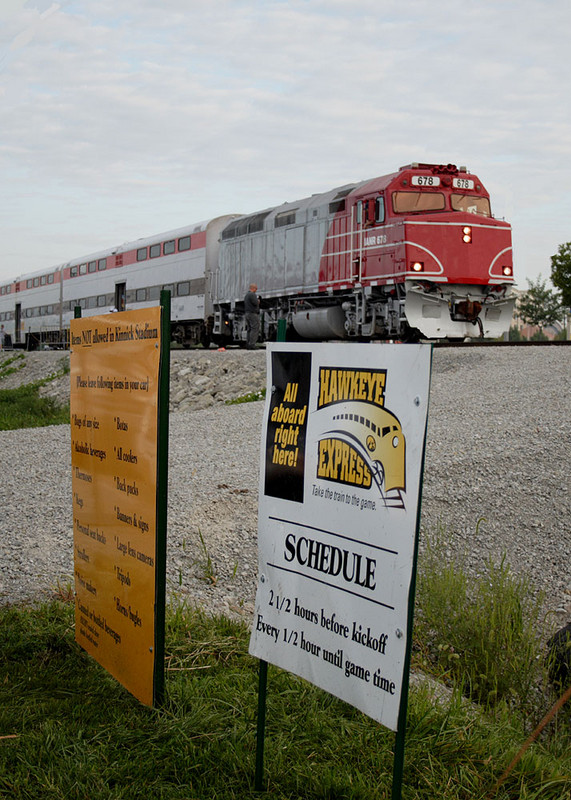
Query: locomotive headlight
x,y
417,266
467,234
507,271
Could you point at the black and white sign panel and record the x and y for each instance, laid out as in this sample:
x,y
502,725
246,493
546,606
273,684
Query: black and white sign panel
x,y
342,450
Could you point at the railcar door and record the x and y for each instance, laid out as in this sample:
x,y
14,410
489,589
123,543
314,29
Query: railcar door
x,y
17,323
359,211
120,296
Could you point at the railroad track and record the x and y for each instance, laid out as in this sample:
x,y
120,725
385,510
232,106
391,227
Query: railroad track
x,y
478,343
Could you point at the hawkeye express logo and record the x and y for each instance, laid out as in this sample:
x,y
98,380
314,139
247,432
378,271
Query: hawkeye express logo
x,y
360,442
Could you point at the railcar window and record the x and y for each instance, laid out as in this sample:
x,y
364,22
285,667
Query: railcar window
x,y
51,277
29,284
101,300
183,289
36,281
154,292
102,264
73,272
169,288
155,251
141,295
168,248
92,302
92,266
407,202
83,269
471,204
43,280
197,286
142,254
184,244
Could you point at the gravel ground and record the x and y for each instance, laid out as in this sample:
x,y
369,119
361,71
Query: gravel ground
x,y
498,448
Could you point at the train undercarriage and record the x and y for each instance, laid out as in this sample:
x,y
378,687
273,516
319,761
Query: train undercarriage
x,y
405,312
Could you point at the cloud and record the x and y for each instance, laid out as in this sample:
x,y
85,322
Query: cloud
x,y
140,114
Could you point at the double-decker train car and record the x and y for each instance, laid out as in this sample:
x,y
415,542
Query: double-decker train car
x,y
413,254
37,308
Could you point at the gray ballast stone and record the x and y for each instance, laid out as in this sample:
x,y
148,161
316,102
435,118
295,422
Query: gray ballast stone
x,y
498,445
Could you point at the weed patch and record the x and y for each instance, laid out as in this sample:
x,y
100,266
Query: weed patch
x,y
481,633
24,408
251,397
69,731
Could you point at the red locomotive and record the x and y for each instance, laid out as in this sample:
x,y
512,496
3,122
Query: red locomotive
x,y
409,255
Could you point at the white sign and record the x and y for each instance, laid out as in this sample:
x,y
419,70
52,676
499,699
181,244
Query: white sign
x,y
340,475
462,183
425,180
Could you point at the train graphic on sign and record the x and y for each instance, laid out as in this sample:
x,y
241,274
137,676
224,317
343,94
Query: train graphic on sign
x,y
414,254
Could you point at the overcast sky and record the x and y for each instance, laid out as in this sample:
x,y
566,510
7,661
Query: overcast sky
x,y
124,118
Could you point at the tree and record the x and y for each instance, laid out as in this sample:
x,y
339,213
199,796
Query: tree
x,y
561,272
539,305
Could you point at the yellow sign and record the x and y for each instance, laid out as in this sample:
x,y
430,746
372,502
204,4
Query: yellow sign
x,y
115,362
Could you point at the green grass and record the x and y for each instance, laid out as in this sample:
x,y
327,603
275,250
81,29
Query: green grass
x,y
78,734
251,397
483,632
12,364
23,407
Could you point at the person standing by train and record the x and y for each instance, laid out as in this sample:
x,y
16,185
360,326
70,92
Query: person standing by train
x,y
252,313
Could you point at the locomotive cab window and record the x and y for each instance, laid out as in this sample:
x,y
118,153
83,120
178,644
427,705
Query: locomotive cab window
x,y
471,204
409,202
